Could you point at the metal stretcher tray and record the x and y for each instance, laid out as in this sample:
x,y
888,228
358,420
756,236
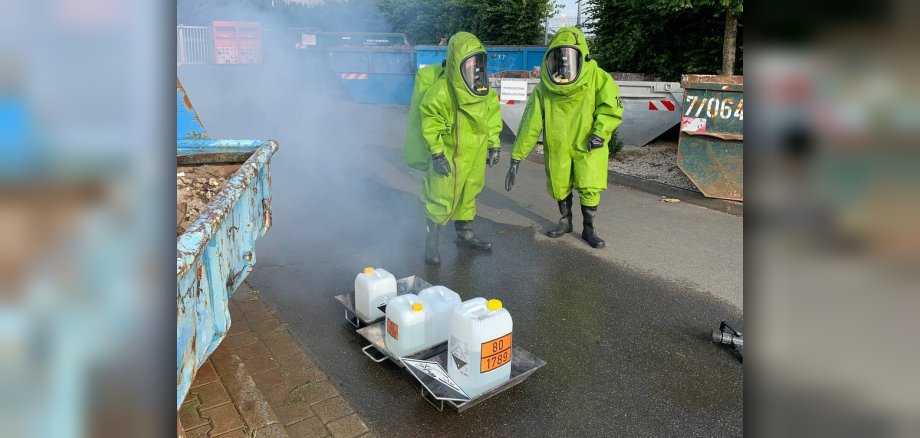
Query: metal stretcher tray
x,y
378,351
408,285
436,387
428,367
439,391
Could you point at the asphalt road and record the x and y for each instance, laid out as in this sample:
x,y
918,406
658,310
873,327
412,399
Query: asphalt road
x,y
624,330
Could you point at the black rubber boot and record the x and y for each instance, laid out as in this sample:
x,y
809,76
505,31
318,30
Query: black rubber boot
x,y
565,223
588,234
465,237
432,257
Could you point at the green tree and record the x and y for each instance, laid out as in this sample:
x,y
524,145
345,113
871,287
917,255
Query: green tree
x,y
731,9
423,21
331,15
494,22
667,37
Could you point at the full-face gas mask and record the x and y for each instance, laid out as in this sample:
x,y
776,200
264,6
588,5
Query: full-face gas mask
x,y
474,73
563,64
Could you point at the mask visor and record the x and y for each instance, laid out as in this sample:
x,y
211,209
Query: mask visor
x,y
563,65
474,73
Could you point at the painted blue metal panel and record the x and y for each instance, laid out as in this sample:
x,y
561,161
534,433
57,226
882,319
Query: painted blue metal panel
x,y
18,146
504,59
217,250
372,60
375,75
501,58
386,75
392,61
534,57
192,147
428,55
382,89
188,125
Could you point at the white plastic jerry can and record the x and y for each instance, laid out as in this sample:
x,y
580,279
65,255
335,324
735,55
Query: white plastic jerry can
x,y
406,324
373,287
479,346
439,303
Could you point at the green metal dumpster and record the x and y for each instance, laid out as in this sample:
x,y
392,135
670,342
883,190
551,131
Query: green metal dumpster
x,y
711,147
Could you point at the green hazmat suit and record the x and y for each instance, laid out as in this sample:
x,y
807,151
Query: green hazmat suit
x,y
567,115
415,149
462,126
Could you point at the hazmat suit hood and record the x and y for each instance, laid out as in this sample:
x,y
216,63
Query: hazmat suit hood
x,y
461,46
568,37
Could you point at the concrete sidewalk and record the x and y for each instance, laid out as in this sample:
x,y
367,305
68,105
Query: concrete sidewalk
x,y
261,383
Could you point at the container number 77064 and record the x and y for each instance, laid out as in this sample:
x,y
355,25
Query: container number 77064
x,y
714,107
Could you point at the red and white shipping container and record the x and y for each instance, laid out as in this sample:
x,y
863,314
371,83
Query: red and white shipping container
x,y
237,42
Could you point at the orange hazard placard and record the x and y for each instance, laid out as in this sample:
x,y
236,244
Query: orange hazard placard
x,y
495,353
393,329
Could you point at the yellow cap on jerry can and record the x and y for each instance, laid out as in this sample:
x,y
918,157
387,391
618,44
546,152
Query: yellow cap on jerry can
x,y
368,270
417,307
494,305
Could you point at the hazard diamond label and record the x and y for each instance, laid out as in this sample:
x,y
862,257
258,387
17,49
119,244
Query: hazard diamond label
x,y
431,375
460,356
382,306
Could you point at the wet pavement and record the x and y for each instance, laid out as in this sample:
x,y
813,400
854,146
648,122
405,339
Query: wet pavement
x,y
624,330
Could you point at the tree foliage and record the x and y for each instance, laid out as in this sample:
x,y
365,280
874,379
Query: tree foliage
x,y
735,6
665,38
423,21
329,16
494,22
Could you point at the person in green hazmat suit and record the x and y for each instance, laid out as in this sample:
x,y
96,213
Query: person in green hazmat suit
x,y
577,107
452,134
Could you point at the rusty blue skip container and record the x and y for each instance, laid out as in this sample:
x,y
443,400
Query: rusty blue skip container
x,y
216,251
501,58
386,74
327,40
711,147
376,75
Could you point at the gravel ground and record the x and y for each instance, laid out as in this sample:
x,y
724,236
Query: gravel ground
x,y
656,161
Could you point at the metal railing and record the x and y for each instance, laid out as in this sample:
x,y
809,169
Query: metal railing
x,y
194,45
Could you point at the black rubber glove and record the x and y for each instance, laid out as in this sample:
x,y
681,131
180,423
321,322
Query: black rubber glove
x,y
512,174
440,163
595,142
494,155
